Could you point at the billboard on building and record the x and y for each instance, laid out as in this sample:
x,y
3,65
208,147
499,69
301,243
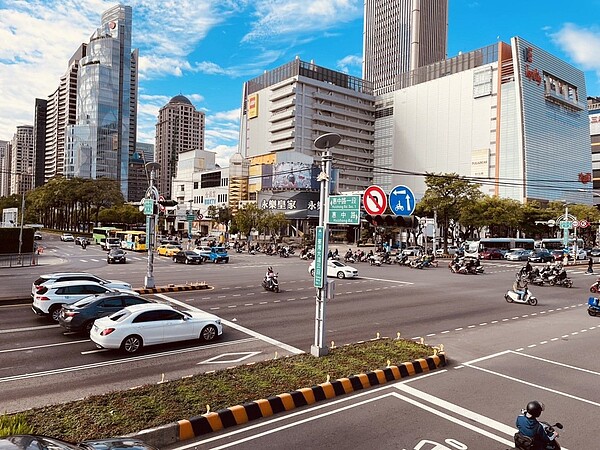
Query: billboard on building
x,y
292,175
253,106
480,163
294,204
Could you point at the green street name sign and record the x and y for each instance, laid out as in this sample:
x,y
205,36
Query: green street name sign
x,y
344,209
148,206
319,253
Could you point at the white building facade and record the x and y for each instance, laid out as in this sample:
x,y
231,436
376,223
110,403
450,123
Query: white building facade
x,y
511,117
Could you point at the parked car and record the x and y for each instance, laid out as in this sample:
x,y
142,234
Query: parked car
x,y
541,255
137,326
188,257
518,255
80,240
595,252
116,255
581,253
218,254
335,269
48,300
559,255
39,442
50,278
491,253
80,316
67,237
37,236
168,249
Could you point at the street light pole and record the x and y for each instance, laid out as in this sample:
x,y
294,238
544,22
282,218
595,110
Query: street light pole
x,y
151,193
323,142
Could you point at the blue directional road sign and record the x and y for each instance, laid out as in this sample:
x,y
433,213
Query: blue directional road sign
x,y
402,201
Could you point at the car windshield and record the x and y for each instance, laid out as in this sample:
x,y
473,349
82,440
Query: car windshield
x,y
337,264
120,316
191,253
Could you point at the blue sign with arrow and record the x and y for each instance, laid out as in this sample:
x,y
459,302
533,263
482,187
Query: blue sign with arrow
x,y
402,201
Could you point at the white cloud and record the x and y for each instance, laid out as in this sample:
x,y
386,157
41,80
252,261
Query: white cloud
x,y
274,17
223,153
581,44
351,61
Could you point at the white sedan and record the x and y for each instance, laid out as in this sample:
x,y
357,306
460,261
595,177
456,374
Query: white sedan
x,y
137,326
336,269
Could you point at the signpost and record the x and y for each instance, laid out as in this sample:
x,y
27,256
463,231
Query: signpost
x,y
319,251
344,209
374,200
402,201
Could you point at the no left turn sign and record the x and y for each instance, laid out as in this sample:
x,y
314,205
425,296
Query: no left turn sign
x,y
374,200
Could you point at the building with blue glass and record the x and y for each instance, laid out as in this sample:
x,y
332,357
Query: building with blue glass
x,y
102,141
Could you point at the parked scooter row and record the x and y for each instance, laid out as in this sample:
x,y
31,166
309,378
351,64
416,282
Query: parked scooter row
x,y
465,266
552,274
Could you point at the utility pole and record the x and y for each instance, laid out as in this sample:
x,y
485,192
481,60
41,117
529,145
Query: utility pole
x,y
151,200
323,142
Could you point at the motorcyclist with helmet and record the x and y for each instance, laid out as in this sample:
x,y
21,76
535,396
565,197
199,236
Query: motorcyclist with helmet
x,y
520,285
269,277
529,426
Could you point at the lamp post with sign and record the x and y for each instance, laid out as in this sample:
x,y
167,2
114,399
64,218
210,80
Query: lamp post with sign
x,y
150,207
323,142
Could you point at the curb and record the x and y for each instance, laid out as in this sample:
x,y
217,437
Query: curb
x,y
237,415
173,288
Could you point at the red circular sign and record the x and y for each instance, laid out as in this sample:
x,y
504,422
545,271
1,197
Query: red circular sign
x,y
374,200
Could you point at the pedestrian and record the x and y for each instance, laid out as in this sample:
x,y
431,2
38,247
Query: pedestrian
x,y
590,268
566,259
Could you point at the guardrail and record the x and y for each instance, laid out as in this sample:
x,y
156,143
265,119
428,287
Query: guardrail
x,y
16,260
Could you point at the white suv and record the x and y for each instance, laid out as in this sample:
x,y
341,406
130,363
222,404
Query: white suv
x,y
51,278
49,299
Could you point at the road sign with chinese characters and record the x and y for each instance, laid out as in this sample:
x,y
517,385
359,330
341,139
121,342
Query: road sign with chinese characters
x,y
344,209
319,256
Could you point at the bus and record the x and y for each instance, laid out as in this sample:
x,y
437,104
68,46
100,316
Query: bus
x,y
474,248
558,243
132,240
99,234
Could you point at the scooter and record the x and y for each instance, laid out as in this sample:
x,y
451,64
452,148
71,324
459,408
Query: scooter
x,y
524,443
527,298
272,285
375,260
595,287
593,307
560,279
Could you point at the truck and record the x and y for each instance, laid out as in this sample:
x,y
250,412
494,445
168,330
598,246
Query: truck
x,y
218,254
111,243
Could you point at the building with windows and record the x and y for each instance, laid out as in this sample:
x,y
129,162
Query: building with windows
x,y
510,116
5,168
61,111
594,116
286,109
139,178
180,128
39,141
22,160
402,35
102,141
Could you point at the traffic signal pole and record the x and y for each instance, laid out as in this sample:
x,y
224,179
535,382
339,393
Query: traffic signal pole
x,y
151,193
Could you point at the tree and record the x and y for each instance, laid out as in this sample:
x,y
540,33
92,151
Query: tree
x,y
248,218
221,215
447,194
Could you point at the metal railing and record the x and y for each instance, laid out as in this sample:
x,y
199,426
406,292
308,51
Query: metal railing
x,y
16,260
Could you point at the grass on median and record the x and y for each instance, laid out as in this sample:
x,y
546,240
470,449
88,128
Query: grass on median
x,y
120,413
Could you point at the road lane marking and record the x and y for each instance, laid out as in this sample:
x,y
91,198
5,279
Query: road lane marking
x,y
386,280
10,350
262,337
19,330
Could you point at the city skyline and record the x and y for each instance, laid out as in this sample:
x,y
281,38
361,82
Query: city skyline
x,y
221,44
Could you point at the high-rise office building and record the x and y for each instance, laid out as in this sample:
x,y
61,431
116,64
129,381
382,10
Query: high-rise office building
x,y
61,111
402,35
22,160
101,143
4,168
39,140
180,128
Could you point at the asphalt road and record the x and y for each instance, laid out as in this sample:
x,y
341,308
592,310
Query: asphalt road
x,y
465,313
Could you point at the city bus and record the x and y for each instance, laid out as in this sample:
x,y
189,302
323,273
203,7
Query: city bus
x,y
132,240
99,234
474,248
558,243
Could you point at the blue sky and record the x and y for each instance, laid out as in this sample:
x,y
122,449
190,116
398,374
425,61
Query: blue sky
x,y
206,49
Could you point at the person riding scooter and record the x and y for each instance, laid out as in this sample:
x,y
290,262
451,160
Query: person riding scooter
x,y
520,285
269,277
529,427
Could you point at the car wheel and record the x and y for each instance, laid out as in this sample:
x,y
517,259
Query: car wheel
x,y
209,333
87,328
132,344
216,261
55,313
312,272
187,261
341,275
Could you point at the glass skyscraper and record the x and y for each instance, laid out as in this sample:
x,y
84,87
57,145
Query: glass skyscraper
x,y
100,143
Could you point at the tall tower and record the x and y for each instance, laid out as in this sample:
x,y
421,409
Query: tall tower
x,y
402,35
180,128
22,161
99,145
5,168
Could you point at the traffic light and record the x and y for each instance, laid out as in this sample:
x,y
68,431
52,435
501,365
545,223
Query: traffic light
x,y
392,220
168,202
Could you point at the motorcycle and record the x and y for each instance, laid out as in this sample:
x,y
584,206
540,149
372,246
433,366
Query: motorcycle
x,y
595,287
283,252
527,298
271,284
523,442
309,254
560,279
593,307
374,261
